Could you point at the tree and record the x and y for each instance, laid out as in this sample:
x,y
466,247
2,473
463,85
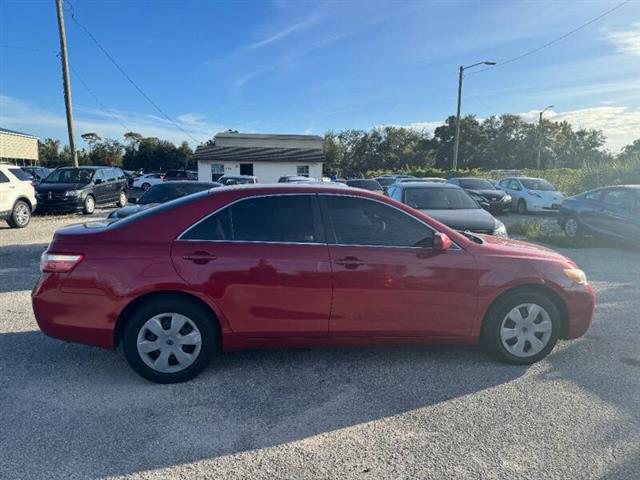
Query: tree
x,y
91,138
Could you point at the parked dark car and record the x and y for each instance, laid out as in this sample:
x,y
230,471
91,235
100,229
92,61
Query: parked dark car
x,y
162,193
448,204
37,174
612,212
237,179
485,193
366,183
70,189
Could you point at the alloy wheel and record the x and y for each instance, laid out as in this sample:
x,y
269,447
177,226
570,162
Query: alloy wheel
x,y
22,214
571,227
526,330
169,342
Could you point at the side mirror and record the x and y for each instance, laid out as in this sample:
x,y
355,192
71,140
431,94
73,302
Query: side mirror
x,y
441,242
97,181
133,199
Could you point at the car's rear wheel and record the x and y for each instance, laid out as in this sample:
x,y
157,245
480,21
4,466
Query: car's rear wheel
x,y
521,207
522,328
20,215
572,228
145,187
169,341
122,199
89,205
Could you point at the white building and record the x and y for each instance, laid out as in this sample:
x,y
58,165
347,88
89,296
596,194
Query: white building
x,y
268,157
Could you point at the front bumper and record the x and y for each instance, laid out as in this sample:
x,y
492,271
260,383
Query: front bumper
x,y
580,309
66,204
539,205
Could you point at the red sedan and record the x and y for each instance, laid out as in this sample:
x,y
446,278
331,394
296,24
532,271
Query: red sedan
x,y
299,265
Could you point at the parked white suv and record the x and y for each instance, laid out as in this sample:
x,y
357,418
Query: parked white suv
x,y
531,194
17,196
148,180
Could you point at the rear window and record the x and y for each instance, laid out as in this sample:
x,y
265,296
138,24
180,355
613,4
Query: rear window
x,y
160,209
20,175
366,184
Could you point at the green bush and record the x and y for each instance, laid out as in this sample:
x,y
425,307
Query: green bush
x,y
568,180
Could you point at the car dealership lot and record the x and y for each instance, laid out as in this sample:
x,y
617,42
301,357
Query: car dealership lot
x,y
78,412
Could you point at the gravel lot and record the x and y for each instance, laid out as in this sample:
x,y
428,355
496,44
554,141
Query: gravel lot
x,y
79,412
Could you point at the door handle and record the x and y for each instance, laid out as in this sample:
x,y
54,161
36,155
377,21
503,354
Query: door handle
x,y
349,262
199,257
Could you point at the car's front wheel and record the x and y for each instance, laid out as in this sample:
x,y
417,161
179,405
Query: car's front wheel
x,y
572,228
169,340
20,215
522,327
145,186
521,207
122,199
89,205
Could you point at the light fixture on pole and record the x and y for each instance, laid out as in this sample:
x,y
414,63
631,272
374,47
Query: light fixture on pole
x,y
457,135
540,136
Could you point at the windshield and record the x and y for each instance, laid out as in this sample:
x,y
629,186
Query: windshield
x,y
164,193
477,184
235,180
70,175
537,184
439,199
386,181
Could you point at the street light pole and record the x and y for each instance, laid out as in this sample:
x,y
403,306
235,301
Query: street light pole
x,y
540,136
456,141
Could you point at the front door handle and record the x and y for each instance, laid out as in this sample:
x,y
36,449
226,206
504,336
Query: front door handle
x,y
199,257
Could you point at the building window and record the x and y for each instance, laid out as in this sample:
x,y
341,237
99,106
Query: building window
x,y
217,170
302,170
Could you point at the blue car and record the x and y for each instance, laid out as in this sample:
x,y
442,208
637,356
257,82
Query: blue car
x,y
611,212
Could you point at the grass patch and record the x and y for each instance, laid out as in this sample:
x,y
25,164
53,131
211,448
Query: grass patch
x,y
537,231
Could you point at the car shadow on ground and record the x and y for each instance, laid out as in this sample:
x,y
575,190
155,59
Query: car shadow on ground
x,y
113,422
19,266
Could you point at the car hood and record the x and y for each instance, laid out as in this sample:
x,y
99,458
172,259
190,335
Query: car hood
x,y
517,248
489,194
473,219
59,187
130,210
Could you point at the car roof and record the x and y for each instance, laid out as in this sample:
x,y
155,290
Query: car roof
x,y
86,167
472,178
426,185
179,182
239,176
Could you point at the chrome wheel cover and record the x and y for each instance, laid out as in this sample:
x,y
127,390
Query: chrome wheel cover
x,y
169,342
526,330
90,204
571,227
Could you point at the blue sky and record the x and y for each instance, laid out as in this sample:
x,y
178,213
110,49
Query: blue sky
x,y
309,67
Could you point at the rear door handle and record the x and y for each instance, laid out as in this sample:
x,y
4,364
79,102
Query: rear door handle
x,y
199,257
349,262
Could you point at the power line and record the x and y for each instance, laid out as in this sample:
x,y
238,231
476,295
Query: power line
x,y
556,40
121,70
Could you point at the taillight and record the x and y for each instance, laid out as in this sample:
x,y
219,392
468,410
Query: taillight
x,y
58,262
165,179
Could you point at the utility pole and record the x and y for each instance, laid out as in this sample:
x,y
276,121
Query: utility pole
x,y
66,83
457,138
456,141
540,136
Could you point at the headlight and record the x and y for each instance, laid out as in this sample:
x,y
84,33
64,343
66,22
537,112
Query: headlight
x,y
500,230
507,198
576,275
72,193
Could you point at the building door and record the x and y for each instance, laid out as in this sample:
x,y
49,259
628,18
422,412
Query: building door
x,y
246,169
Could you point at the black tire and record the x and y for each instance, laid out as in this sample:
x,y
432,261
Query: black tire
x,y
200,317
572,228
521,207
89,205
490,336
145,187
122,199
20,215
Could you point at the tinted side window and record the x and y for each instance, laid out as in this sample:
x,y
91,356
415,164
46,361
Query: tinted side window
x,y
619,198
3,178
110,174
358,221
19,174
99,175
119,173
278,218
593,196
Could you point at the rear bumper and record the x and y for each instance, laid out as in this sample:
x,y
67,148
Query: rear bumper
x,y
580,308
73,317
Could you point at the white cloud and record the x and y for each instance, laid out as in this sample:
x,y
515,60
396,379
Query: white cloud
x,y
24,116
626,41
283,33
